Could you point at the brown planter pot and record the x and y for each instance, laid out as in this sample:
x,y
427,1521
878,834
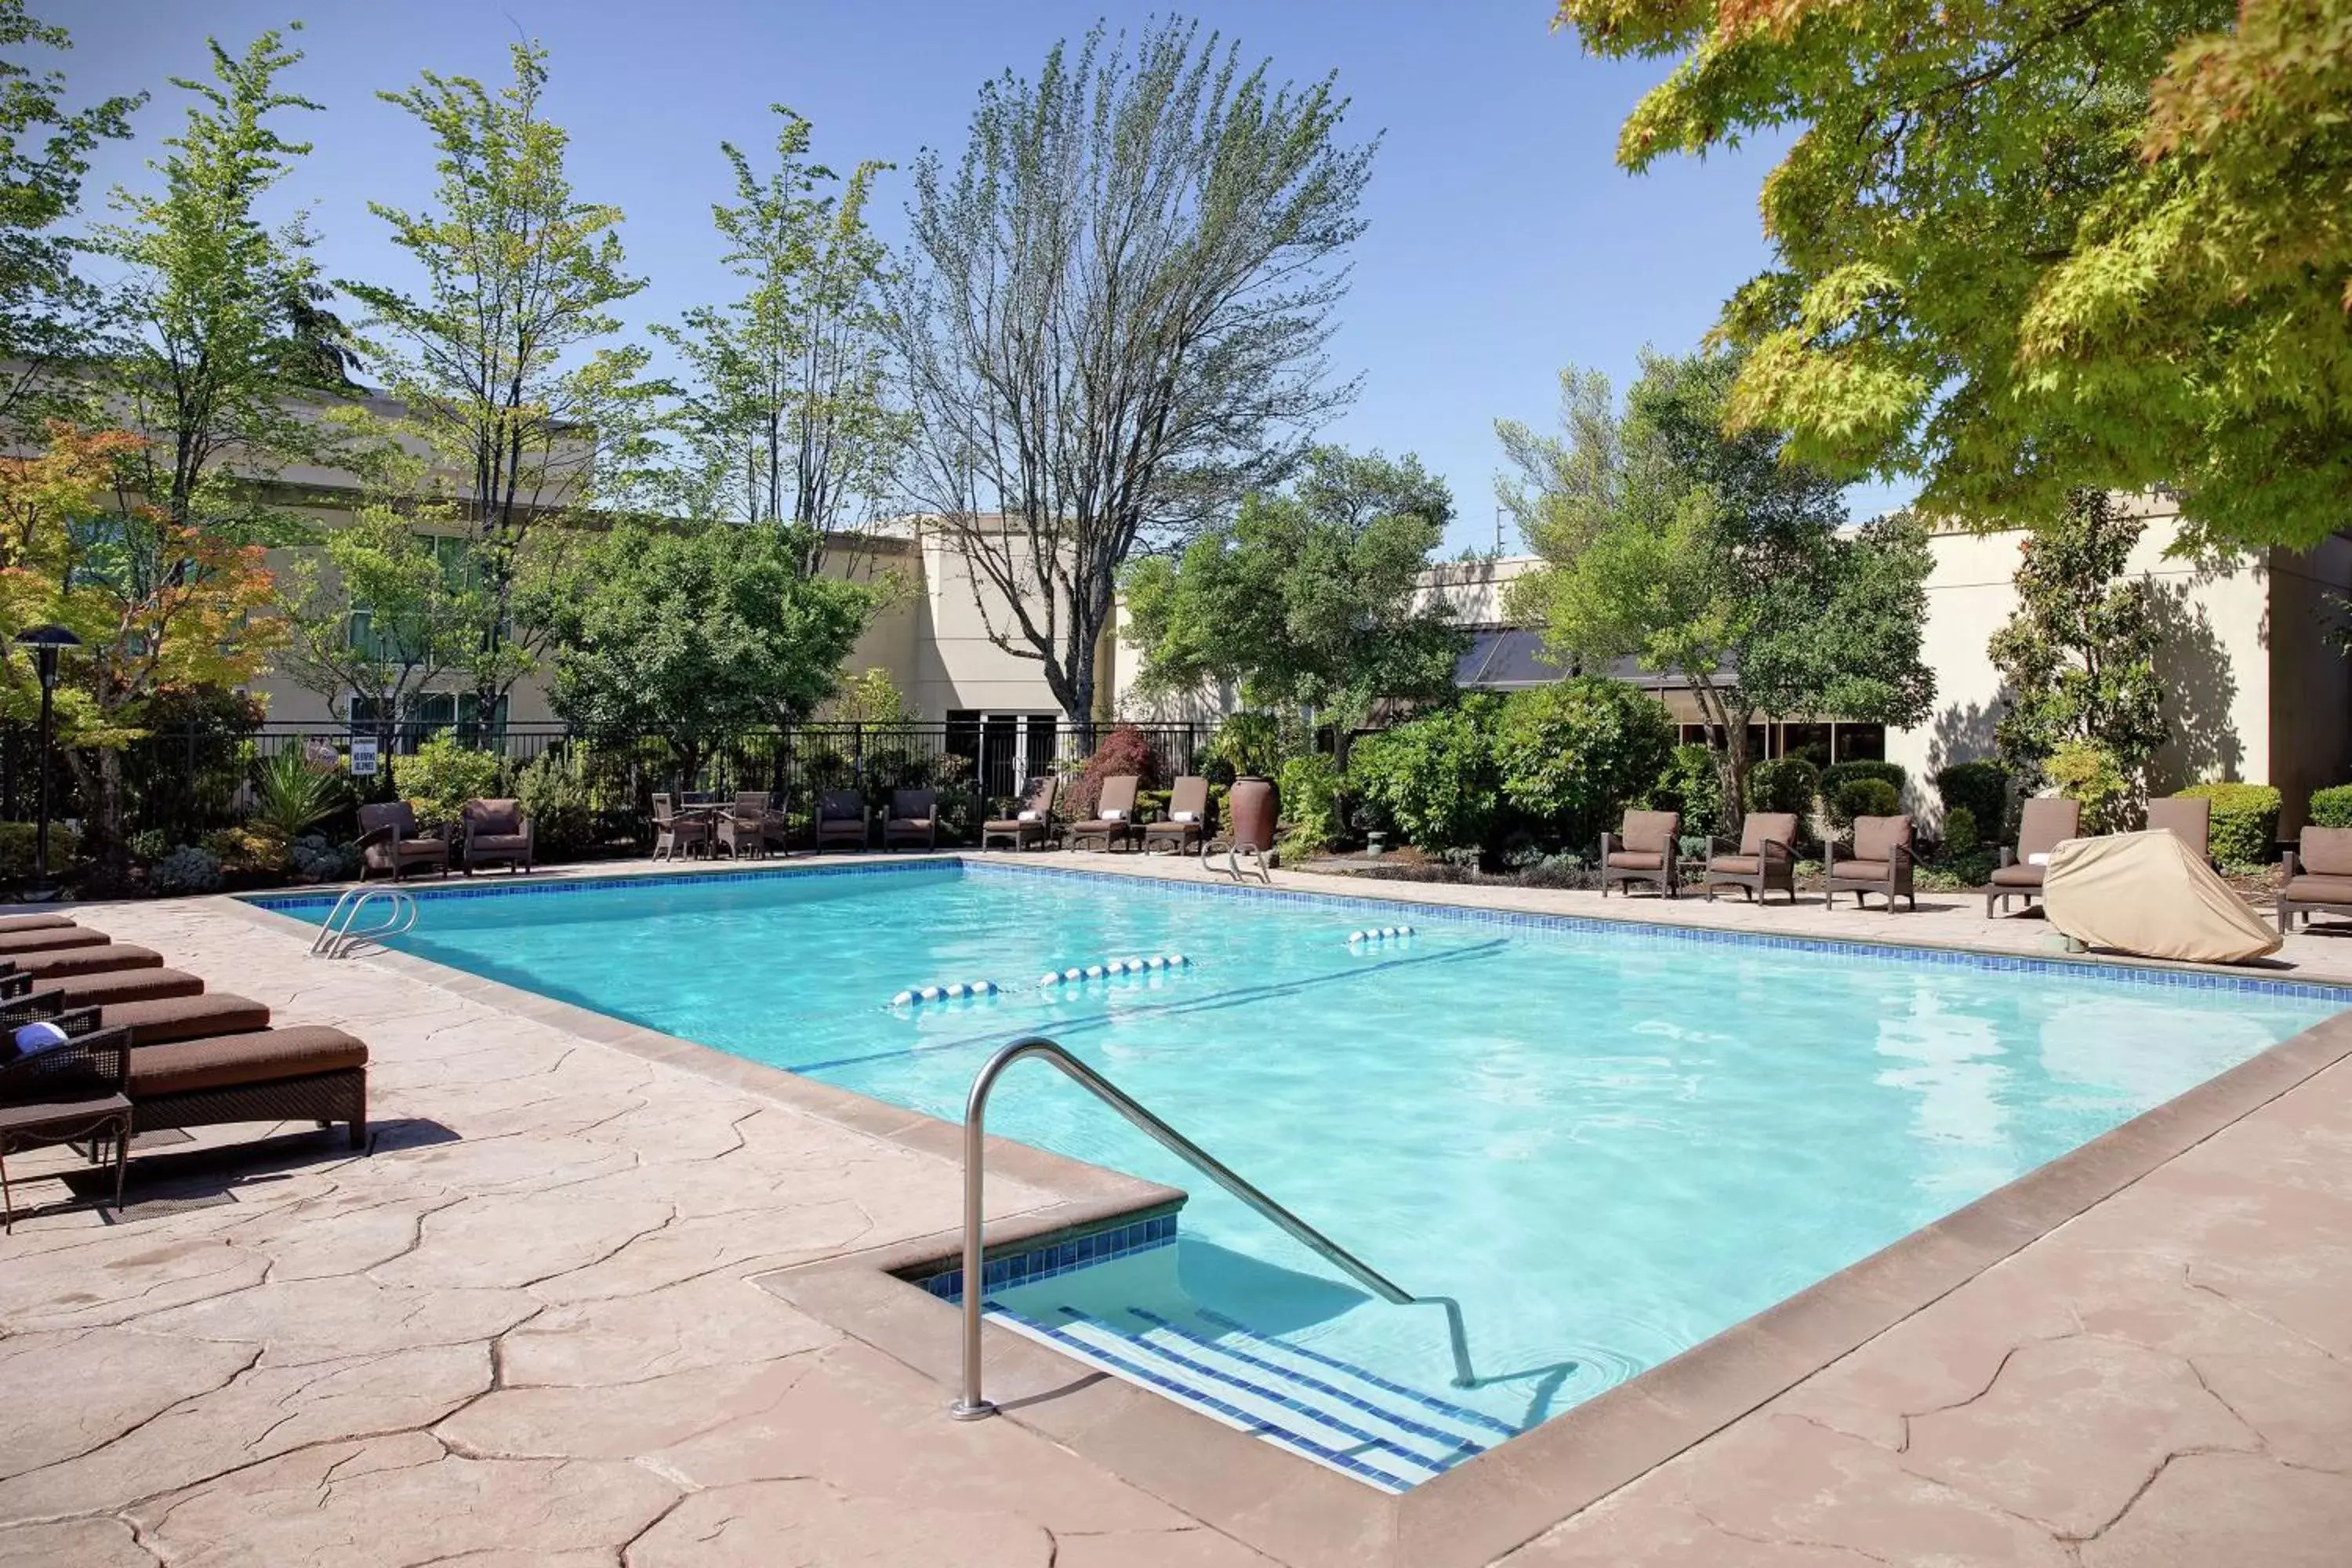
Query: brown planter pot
x,y
1253,804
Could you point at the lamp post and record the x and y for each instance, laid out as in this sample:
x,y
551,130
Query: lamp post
x,y
45,643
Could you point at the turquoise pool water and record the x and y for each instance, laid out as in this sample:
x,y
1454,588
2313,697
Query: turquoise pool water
x,y
1608,1145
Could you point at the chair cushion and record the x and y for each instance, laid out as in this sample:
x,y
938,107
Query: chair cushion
x,y
1635,860
260,1056
2045,822
167,1018
34,922
2318,890
1877,838
51,939
2326,851
910,824
129,986
87,960
1762,827
1861,870
1651,832
1736,865
499,844
2019,876
1012,825
503,818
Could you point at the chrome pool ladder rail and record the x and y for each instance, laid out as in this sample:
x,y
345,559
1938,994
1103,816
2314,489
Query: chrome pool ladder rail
x,y
1235,866
971,1404
340,933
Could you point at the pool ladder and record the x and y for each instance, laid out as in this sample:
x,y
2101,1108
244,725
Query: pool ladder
x,y
971,1404
1244,860
342,934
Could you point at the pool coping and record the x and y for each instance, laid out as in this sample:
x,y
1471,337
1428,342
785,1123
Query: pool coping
x,y
1487,1506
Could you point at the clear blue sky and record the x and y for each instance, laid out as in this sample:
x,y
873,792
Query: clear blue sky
x,y
1504,242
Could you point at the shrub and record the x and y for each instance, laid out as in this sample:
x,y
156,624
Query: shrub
x,y
442,775
1254,744
1433,776
290,797
253,850
185,870
16,846
1573,755
555,789
1123,751
148,845
1862,798
2092,777
2331,807
1838,775
1961,839
1980,788
1691,785
1310,803
2245,821
315,857
1784,784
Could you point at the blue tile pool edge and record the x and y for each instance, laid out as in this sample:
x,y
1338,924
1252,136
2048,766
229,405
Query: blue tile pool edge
x,y
2112,971
1058,1252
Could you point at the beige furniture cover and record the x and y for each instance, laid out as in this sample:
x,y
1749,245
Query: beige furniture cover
x,y
2148,893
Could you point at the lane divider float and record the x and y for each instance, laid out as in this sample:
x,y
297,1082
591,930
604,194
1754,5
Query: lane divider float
x,y
1379,933
957,992
1110,966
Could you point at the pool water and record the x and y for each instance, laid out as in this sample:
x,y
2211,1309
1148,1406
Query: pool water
x,y
1608,1144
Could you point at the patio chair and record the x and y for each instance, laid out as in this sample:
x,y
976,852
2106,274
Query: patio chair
x,y
2189,820
78,1091
2318,877
1645,849
841,820
1187,817
495,830
1113,822
1766,858
390,841
750,826
107,986
53,939
677,833
2048,821
1881,862
914,819
1032,821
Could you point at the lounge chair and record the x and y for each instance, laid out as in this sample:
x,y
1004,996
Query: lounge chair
x,y
841,820
1645,849
1188,817
750,826
2189,819
34,922
391,841
914,819
1881,862
1032,821
496,830
71,1093
2318,877
53,939
1113,822
2048,821
1766,859
52,969
111,986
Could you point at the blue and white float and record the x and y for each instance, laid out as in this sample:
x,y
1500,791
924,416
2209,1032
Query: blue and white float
x,y
959,990
1111,967
1379,933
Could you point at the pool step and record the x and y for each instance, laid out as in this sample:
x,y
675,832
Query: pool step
x,y
1375,1431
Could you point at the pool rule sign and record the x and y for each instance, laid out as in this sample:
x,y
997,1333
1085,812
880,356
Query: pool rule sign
x,y
364,757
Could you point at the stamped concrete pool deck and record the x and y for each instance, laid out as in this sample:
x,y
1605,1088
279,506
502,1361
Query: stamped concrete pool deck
x,y
529,1326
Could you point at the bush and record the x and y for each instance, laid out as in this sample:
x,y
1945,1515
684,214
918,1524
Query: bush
x,y
1863,798
315,857
2092,777
555,789
1978,788
1433,776
1961,839
185,870
2245,821
1784,784
290,797
17,846
2331,807
255,849
1249,744
442,776
1837,777
1310,804
1573,755
1691,785
1123,751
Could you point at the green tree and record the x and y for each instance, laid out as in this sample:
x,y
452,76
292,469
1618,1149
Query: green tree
x,y
506,361
2077,659
48,312
2022,248
1308,598
696,632
1115,322
1710,556
785,417
1574,754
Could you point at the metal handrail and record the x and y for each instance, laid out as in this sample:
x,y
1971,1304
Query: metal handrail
x,y
338,940
970,1406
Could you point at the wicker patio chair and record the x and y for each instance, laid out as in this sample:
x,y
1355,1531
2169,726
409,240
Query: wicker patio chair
x,y
914,820
496,830
678,833
841,820
750,826
1187,817
1114,821
2191,820
75,1092
1032,821
390,841
1766,858
1645,849
1882,862
2046,821
2318,877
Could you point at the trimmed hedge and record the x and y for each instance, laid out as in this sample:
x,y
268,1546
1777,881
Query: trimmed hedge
x,y
1978,788
1863,797
1836,776
1784,784
2331,807
2245,821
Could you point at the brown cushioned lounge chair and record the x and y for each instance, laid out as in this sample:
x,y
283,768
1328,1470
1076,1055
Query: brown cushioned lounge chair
x,y
1114,821
1032,821
2318,877
1766,859
1188,817
34,922
492,831
109,985
52,968
2191,821
53,939
1880,862
914,819
1645,849
2046,823
391,841
842,821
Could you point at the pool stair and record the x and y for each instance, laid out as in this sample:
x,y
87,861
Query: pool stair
x,y
1365,1427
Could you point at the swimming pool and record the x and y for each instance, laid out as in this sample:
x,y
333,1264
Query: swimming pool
x,y
1609,1143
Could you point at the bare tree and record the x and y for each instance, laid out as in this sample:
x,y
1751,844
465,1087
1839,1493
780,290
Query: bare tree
x,y
1114,320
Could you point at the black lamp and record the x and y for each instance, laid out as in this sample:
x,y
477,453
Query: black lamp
x,y
45,643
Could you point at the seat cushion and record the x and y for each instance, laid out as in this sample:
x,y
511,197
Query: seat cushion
x,y
34,922
2318,890
2020,876
498,844
2326,851
128,986
1861,870
87,960
259,1056
166,1018
910,824
1635,861
50,939
1736,865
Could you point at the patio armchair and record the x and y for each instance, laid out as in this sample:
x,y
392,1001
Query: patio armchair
x,y
677,833
1187,817
914,819
1032,821
2189,819
2047,822
2318,877
751,827
1114,822
496,830
73,1093
1645,849
841,820
1882,861
1766,858
390,841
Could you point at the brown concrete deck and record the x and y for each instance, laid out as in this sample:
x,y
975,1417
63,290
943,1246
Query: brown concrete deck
x,y
524,1329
